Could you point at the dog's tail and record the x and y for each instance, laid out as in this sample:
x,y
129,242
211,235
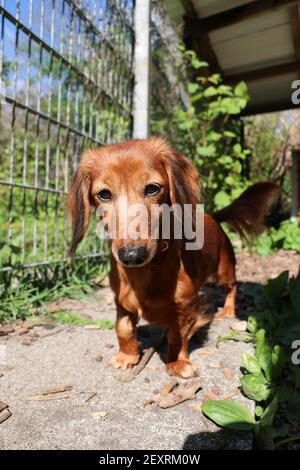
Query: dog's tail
x,y
246,215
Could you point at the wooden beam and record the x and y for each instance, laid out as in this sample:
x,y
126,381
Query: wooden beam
x,y
241,13
260,74
198,40
190,11
251,110
295,25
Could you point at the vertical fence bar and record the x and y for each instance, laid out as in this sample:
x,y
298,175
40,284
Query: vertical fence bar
x,y
141,69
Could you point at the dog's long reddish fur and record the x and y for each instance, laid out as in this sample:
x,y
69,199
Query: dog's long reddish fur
x,y
164,290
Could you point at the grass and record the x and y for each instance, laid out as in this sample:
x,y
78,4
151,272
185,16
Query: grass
x,y
23,292
66,317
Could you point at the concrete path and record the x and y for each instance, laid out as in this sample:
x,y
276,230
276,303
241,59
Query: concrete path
x,y
101,412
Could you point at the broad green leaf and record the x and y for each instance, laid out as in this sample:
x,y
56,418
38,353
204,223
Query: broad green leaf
x,y
252,324
214,136
210,91
193,87
265,360
260,341
207,151
197,64
222,199
251,364
237,148
229,134
254,388
241,90
269,413
228,414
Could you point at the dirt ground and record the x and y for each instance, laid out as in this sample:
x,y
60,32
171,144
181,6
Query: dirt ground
x,y
98,409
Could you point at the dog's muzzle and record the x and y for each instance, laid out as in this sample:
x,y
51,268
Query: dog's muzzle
x,y
132,255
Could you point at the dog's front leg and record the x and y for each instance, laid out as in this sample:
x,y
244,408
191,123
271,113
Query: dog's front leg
x,y
128,355
178,362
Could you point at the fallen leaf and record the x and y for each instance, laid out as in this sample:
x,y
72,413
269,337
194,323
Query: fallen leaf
x,y
216,390
167,388
227,374
148,402
109,345
179,395
29,324
6,329
99,414
210,395
214,365
206,352
22,331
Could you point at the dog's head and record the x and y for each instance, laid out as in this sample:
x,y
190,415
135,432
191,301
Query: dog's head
x,y
129,183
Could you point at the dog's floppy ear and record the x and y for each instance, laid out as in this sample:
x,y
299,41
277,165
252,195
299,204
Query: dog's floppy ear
x,y
183,179
79,207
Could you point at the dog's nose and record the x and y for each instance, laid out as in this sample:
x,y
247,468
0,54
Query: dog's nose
x,y
132,255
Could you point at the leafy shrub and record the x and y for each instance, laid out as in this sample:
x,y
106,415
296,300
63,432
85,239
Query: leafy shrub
x,y
207,131
272,377
286,237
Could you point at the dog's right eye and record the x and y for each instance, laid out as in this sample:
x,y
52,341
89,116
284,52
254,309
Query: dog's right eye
x,y
104,195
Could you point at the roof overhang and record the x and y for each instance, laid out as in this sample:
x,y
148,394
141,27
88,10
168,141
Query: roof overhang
x,y
257,41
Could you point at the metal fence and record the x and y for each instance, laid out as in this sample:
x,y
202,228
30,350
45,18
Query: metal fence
x,y
167,89
66,84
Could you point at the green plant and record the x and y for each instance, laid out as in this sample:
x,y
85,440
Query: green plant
x,y
208,131
71,318
272,379
286,237
23,291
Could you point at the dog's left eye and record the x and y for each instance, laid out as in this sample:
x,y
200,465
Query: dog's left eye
x,y
152,189
104,195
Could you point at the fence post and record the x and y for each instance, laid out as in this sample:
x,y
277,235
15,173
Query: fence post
x,y
141,100
295,183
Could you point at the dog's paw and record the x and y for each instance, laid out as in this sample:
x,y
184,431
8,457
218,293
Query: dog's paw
x,y
182,368
124,361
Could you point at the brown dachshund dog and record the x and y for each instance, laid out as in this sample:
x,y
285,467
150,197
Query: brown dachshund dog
x,y
157,278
